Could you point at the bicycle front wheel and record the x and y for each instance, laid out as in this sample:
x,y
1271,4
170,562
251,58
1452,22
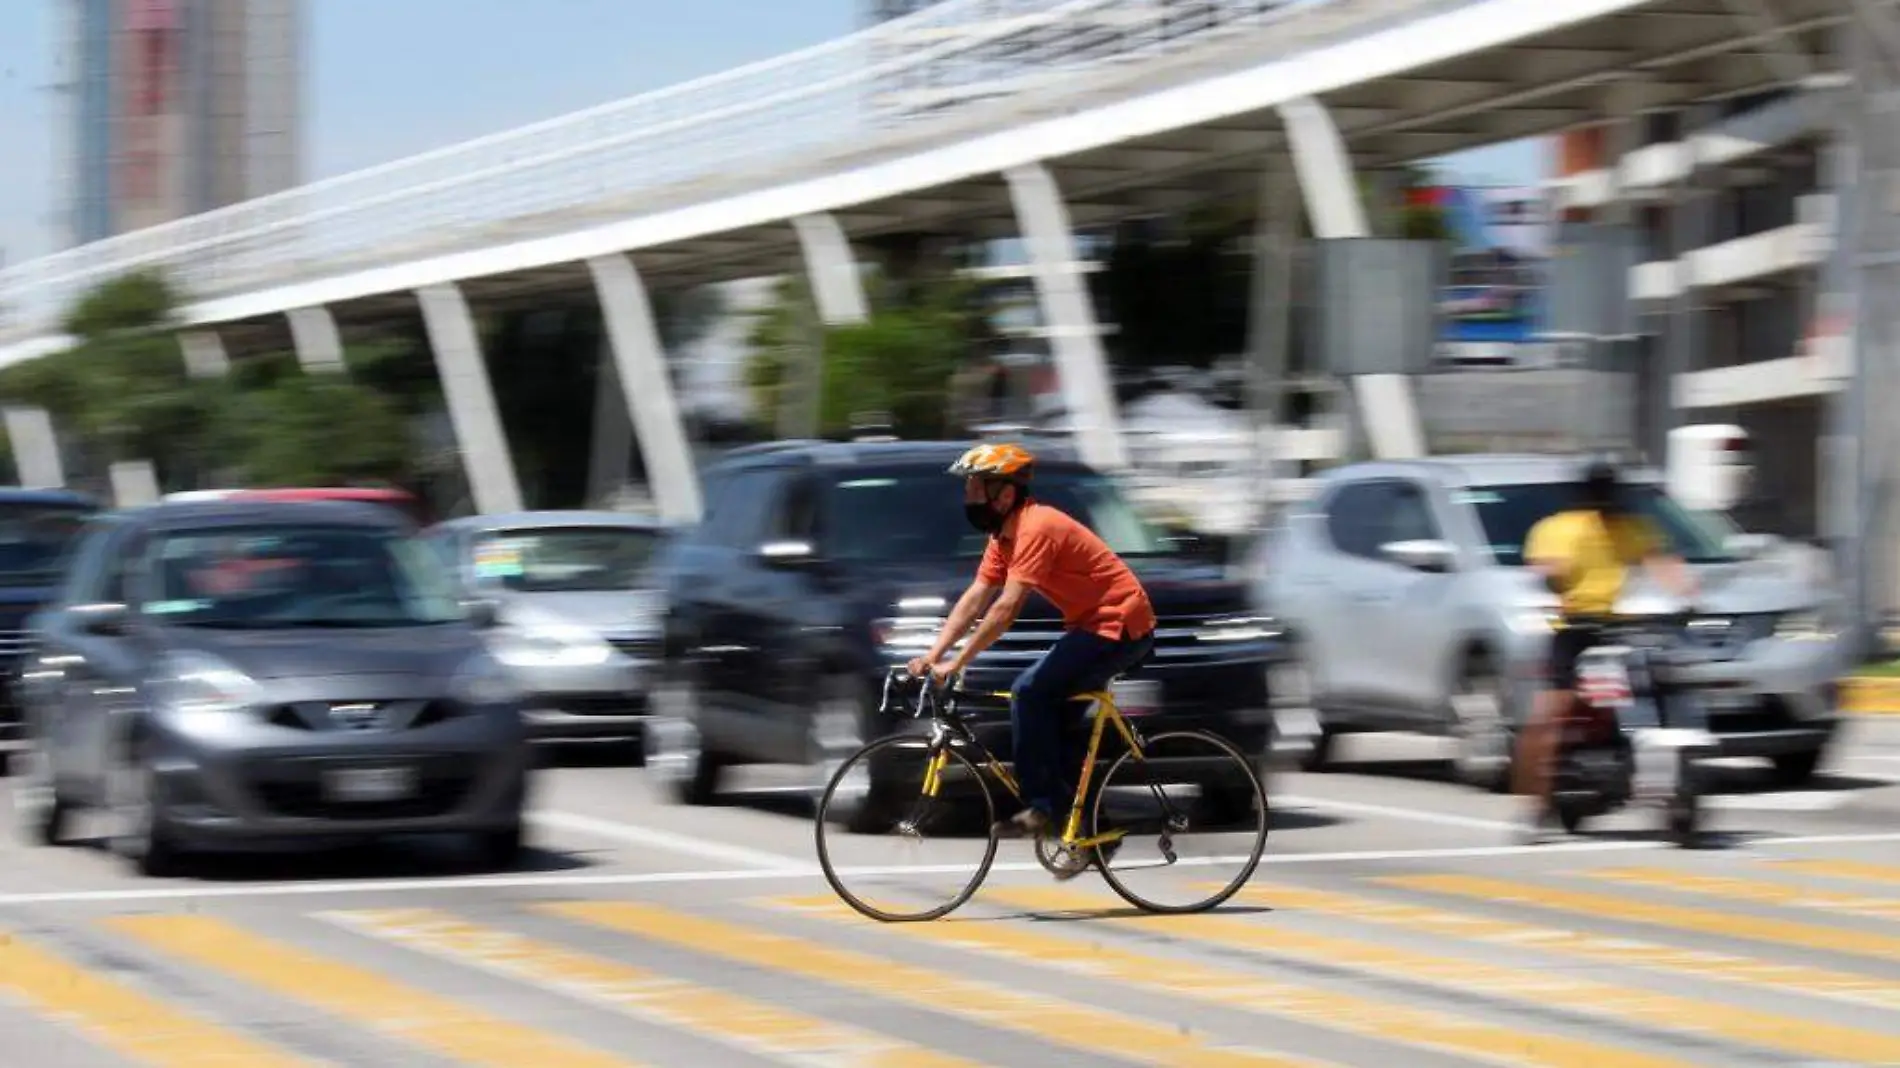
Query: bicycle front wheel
x,y
927,862
1186,844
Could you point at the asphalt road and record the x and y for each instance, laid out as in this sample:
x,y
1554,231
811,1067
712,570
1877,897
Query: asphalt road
x,y
1395,923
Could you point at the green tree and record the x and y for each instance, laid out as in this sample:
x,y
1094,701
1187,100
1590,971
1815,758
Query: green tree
x,y
312,430
898,362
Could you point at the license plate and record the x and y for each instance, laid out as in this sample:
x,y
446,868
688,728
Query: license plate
x,y
1137,697
368,784
1604,685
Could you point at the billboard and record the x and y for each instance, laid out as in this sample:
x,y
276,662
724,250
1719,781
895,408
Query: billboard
x,y
1499,271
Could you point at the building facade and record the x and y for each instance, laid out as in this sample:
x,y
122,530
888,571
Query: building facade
x,y
175,107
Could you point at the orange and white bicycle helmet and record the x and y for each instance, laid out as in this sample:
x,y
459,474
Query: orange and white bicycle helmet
x,y
1004,461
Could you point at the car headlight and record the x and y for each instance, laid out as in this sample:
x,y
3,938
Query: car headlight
x,y
1237,629
550,645
1810,625
196,686
483,681
907,634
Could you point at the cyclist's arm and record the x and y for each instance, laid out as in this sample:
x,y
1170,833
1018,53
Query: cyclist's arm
x,y
972,604
1001,616
1545,555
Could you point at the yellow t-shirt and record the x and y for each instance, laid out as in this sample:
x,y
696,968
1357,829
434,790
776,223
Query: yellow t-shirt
x,y
1593,556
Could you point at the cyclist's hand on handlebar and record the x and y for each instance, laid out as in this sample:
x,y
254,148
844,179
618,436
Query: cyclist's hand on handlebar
x,y
942,671
917,666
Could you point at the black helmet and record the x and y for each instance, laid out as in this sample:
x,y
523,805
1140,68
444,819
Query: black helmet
x,y
1600,486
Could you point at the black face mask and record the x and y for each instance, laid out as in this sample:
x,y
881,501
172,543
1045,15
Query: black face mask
x,y
983,517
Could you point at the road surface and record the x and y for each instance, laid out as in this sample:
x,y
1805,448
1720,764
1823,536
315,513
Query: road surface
x,y
1395,923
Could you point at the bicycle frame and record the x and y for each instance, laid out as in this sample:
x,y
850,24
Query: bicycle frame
x,y
949,729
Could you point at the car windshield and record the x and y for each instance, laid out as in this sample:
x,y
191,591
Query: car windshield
x,y
34,539
280,576
1507,513
549,559
917,514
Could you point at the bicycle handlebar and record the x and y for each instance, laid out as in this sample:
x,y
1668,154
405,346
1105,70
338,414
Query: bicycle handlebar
x,y
944,696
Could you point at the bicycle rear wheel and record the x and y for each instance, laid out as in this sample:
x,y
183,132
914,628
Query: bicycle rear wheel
x,y
920,868
1173,857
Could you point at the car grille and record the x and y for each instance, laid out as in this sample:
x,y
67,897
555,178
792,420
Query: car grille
x,y
15,644
639,647
1177,640
1724,637
382,716
294,787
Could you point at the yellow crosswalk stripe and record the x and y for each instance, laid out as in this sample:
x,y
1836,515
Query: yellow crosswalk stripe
x,y
1095,1031
754,1026
1626,910
1843,869
1234,988
1619,951
1749,890
124,1019
359,995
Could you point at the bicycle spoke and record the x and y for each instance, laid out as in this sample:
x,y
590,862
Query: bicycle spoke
x,y
1190,806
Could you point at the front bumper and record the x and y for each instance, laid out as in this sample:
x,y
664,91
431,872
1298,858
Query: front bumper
x,y
258,782
1774,696
585,701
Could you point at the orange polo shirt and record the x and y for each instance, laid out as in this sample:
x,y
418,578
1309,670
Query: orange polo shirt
x,y
1072,567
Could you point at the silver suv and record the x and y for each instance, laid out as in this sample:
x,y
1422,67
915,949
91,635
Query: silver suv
x,y
1408,608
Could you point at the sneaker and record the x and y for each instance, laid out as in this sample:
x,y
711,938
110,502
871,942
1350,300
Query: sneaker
x,y
1535,827
1070,865
1028,823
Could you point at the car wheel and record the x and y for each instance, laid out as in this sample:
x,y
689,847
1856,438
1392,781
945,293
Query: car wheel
x,y
501,849
675,755
1797,769
138,830
837,731
37,805
1291,699
1481,729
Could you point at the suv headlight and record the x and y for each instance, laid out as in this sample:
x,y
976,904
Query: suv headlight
x,y
197,686
1809,625
1534,620
483,681
1237,629
907,634
550,645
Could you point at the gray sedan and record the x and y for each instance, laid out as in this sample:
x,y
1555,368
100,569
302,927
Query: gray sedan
x,y
576,626
225,674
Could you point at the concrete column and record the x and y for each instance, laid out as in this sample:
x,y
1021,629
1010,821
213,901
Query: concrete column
x,y
1269,296
1388,412
1068,314
833,270
610,456
640,364
134,483
204,353
471,400
313,332
1686,335
35,448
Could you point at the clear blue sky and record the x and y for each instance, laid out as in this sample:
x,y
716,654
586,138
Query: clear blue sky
x,y
390,77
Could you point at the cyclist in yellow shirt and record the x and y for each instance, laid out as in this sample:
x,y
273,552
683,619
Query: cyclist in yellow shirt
x,y
1584,554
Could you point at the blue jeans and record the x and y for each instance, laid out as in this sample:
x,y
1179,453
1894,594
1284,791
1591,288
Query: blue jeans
x,y
1045,720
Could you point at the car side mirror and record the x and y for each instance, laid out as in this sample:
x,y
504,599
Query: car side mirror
x,y
788,554
482,614
1424,554
107,619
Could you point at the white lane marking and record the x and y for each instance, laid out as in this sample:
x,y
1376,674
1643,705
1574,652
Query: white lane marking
x,y
1413,815
673,843
1792,801
504,882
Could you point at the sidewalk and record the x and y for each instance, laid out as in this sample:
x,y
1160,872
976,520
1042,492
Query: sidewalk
x,y
1871,695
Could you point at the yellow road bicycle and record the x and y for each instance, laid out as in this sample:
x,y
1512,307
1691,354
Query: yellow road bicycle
x,y
1169,806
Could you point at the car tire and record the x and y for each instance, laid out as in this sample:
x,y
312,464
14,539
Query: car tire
x,y
674,753
42,813
139,834
500,849
1481,727
1798,769
835,732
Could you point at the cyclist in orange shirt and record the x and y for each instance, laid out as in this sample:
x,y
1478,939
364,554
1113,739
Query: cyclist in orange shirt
x,y
1108,624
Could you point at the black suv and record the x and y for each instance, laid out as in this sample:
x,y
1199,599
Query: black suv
x,y
819,565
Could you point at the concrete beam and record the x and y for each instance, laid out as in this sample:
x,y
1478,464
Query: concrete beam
x,y
134,483
640,364
204,353
833,270
471,400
